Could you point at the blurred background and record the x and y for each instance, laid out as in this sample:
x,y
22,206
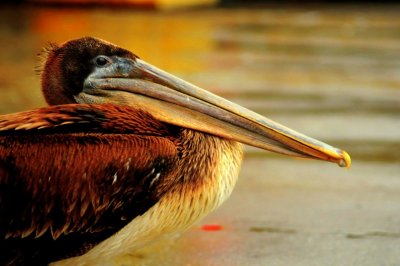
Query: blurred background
x,y
328,69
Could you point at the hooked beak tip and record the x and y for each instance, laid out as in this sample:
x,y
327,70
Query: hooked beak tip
x,y
345,161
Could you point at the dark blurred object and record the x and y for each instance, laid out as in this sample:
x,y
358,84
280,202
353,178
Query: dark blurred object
x,y
12,2
244,3
135,3
152,4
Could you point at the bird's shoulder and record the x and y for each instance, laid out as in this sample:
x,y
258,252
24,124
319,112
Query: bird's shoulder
x,y
69,118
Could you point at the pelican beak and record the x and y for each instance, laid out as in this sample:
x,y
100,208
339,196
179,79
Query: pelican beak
x,y
172,100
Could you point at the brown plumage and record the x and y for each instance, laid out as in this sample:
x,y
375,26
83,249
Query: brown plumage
x,y
76,189
126,153
100,167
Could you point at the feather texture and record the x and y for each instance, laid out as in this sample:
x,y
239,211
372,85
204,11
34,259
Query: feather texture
x,y
77,170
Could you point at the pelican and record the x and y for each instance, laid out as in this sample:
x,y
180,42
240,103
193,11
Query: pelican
x,y
124,154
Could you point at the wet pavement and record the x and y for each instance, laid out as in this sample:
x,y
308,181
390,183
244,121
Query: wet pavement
x,y
329,72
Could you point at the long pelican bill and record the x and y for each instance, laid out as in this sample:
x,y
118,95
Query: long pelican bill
x,y
170,99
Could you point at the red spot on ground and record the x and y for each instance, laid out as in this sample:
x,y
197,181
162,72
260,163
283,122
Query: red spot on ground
x,y
211,227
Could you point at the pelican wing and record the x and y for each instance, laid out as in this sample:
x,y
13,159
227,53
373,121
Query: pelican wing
x,y
72,175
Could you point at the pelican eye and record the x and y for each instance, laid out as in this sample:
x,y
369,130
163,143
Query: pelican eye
x,y
102,60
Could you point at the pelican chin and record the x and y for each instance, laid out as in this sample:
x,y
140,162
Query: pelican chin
x,y
124,153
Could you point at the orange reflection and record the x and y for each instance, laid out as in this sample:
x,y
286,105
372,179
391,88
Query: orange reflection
x,y
59,22
170,42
